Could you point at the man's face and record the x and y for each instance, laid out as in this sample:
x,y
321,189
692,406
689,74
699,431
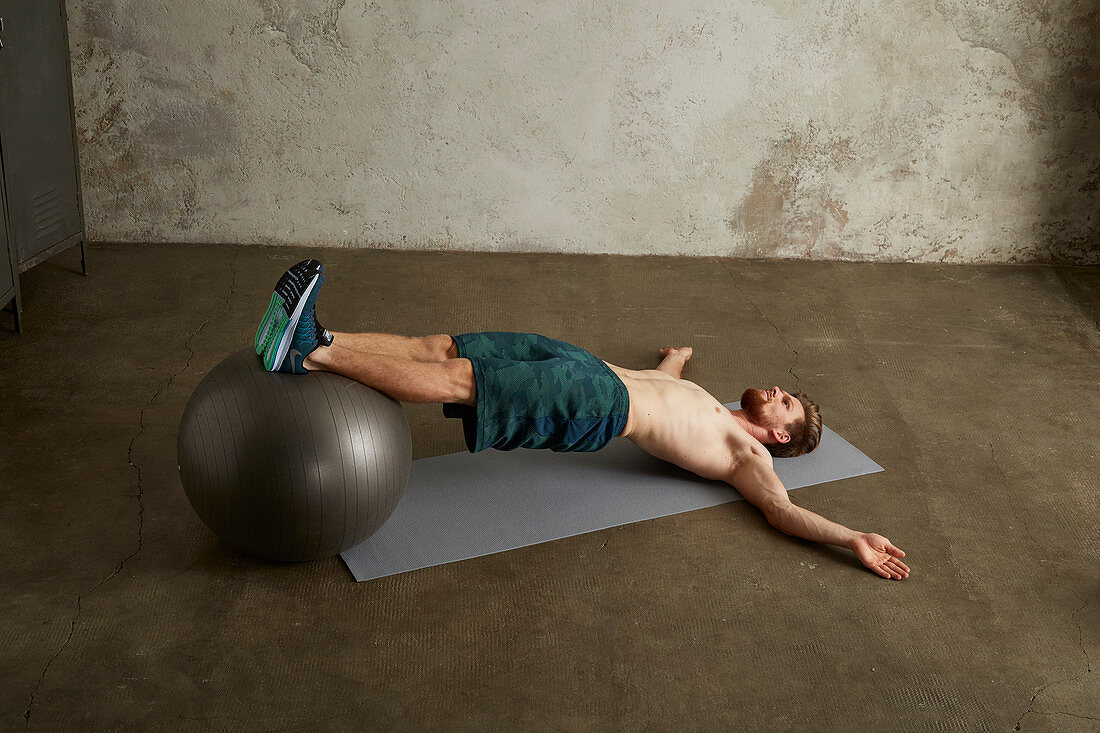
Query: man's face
x,y
772,408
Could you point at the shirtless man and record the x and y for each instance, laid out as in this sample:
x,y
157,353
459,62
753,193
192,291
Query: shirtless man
x,y
515,390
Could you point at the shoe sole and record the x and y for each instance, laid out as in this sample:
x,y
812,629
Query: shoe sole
x,y
276,330
272,323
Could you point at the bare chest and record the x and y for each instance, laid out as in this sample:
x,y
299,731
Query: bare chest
x,y
679,422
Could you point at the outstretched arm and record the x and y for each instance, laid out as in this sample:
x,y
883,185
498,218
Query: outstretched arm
x,y
673,359
755,479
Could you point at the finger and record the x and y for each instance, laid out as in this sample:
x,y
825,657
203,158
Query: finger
x,y
897,562
880,570
895,567
894,551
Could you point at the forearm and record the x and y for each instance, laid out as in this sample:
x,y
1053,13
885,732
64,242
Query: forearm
x,y
672,365
794,520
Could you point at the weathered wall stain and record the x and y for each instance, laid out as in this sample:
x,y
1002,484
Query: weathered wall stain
x,y
937,130
790,209
311,34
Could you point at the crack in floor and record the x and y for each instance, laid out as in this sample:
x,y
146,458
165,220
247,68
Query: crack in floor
x,y
139,496
1059,712
1088,670
1029,711
790,369
1080,631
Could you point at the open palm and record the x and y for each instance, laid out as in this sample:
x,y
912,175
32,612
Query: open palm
x,y
880,555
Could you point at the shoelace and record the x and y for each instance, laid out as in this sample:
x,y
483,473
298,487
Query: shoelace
x,y
310,329
307,326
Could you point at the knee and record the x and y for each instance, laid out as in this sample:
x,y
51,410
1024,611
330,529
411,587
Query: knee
x,y
441,347
462,387
452,347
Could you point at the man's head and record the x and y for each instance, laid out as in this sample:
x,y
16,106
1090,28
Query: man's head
x,y
793,422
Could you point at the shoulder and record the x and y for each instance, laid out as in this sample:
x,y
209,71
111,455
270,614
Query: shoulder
x,y
750,454
755,480
744,448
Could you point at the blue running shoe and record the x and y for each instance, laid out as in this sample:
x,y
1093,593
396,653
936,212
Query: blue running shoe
x,y
307,336
294,295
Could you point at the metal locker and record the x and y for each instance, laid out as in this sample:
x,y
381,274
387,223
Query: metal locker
x,y
9,274
38,151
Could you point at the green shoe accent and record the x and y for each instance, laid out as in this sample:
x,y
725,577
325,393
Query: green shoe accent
x,y
271,346
270,331
265,333
294,295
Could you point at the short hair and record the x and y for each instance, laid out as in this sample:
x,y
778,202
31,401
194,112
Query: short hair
x,y
805,434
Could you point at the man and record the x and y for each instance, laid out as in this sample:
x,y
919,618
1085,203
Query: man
x,y
517,390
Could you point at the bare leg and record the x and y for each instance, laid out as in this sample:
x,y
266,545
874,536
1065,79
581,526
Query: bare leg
x,y
451,380
674,359
424,348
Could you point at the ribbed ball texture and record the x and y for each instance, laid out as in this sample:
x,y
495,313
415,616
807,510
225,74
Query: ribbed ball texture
x,y
291,467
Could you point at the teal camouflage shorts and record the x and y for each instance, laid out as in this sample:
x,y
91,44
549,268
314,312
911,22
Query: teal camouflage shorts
x,y
537,392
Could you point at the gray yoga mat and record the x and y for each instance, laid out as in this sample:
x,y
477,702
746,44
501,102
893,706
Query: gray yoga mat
x,y
466,505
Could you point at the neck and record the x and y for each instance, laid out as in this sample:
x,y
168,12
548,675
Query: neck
x,y
751,428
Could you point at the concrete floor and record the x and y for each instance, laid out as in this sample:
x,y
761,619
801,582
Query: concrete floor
x,y
974,386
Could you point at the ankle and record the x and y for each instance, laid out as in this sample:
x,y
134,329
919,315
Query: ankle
x,y
319,359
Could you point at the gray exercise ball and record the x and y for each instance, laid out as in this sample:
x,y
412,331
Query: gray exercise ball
x,y
291,467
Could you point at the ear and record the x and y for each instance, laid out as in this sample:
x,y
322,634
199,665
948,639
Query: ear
x,y
780,436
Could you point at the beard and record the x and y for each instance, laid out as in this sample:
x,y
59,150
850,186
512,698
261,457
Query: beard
x,y
752,402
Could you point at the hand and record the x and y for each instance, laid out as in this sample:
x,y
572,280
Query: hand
x,y
684,351
877,553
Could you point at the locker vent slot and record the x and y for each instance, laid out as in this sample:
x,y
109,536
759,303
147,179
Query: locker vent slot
x,y
47,213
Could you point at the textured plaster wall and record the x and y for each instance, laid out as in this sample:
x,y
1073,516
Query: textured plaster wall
x,y
908,130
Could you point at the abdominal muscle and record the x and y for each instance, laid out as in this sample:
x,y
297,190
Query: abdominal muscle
x,y
680,422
